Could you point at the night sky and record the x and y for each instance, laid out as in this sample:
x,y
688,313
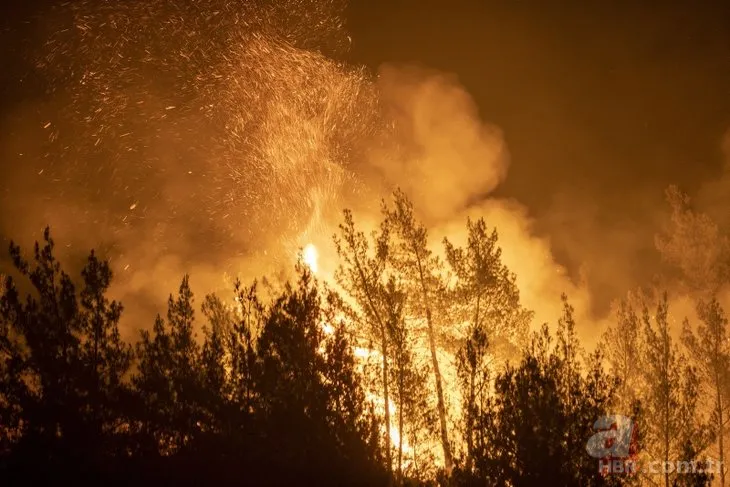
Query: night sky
x,y
602,104
596,94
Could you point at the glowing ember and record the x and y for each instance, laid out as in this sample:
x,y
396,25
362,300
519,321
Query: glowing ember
x,y
310,256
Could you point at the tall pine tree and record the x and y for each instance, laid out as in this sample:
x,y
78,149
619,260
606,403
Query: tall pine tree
x,y
415,262
709,351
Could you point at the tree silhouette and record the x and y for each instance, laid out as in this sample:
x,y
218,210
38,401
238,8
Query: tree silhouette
x,y
473,370
63,369
168,379
709,351
693,244
362,275
413,259
670,396
311,401
486,298
270,391
621,344
408,383
485,294
543,412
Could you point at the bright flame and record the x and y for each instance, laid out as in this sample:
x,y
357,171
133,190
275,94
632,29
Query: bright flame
x,y
395,440
310,256
394,433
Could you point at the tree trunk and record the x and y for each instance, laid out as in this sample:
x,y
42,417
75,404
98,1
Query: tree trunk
x,y
448,461
472,394
414,444
470,422
95,394
400,426
720,430
384,350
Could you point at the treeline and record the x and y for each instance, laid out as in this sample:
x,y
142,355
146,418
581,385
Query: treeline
x,y
415,371
267,398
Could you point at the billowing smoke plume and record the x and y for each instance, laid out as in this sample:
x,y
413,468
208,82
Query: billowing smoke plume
x,y
445,156
218,136
714,196
449,160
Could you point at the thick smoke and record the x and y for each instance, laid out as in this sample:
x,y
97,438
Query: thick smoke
x,y
449,160
714,196
218,136
445,156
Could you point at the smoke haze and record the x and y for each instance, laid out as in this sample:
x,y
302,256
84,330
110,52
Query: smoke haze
x,y
217,139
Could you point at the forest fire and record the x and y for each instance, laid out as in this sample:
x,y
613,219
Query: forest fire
x,y
310,257
390,313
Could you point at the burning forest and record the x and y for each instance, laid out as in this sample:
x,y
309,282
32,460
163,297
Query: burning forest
x,y
238,255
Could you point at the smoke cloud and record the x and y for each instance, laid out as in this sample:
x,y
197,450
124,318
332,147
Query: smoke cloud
x,y
215,140
449,161
446,155
714,196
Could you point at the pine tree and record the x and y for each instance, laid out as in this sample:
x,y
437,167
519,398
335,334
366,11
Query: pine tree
x,y
63,364
215,386
9,413
662,375
350,421
670,397
710,352
362,275
213,351
241,348
293,404
473,371
269,397
168,379
543,412
585,389
485,291
407,382
42,349
486,298
310,396
104,356
621,345
414,260
694,245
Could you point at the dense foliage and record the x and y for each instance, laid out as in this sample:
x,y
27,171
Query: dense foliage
x,y
270,391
